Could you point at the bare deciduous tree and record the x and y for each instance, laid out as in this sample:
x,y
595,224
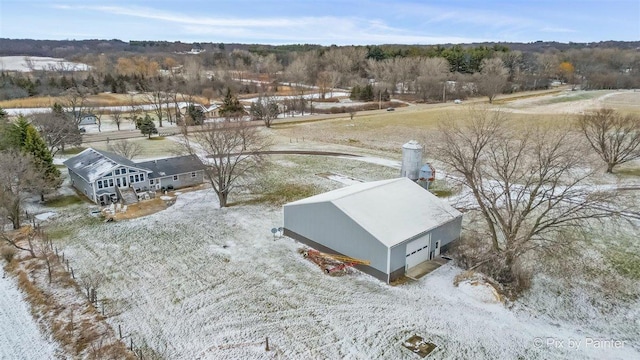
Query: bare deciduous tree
x,y
266,108
492,78
431,80
124,148
117,118
233,150
158,97
91,281
527,186
12,241
75,100
57,130
17,176
614,137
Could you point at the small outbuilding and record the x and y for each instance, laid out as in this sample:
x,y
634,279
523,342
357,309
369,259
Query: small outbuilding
x,y
395,224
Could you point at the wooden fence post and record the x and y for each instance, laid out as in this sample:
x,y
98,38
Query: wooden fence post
x,y
267,341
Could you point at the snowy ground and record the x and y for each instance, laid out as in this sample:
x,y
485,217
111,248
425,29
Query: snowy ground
x,y
200,282
20,337
19,63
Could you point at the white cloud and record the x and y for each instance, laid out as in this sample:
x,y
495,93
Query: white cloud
x,y
310,29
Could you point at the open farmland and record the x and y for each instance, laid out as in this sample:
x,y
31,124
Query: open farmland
x,y
382,130
198,282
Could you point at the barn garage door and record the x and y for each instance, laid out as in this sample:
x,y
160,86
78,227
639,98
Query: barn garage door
x,y
418,251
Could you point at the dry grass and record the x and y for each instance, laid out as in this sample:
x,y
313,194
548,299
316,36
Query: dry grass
x,y
387,131
102,99
7,253
525,95
72,321
142,208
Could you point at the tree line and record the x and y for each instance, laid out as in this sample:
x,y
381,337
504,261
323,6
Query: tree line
x,y
422,72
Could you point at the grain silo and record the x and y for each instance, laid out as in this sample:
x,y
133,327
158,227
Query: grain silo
x,y
411,160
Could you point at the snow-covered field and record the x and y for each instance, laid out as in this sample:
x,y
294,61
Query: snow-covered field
x,y
20,336
25,63
199,282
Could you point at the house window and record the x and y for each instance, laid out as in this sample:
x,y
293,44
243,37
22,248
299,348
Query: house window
x,y
130,178
193,174
123,171
117,172
141,177
175,177
99,184
151,182
137,178
111,182
132,170
109,174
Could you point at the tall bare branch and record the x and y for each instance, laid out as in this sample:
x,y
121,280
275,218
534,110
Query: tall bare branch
x,y
614,137
232,150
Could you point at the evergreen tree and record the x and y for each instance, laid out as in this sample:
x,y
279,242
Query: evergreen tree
x,y
35,145
25,137
355,92
231,106
146,126
195,114
17,133
367,93
57,109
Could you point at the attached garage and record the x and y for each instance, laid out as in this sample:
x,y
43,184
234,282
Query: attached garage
x,y
395,224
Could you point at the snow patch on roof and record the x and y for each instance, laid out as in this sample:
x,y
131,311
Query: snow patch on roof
x,y
391,210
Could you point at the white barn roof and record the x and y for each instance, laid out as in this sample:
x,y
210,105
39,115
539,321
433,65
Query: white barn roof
x,y
391,210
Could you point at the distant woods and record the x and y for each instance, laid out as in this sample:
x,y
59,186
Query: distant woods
x,y
421,73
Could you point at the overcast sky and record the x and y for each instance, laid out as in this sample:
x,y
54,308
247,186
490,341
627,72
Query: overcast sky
x,y
323,21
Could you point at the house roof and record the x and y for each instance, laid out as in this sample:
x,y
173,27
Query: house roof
x,y
391,210
172,166
91,164
202,107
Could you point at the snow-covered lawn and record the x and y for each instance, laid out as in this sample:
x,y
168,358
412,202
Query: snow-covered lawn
x,y
212,283
20,337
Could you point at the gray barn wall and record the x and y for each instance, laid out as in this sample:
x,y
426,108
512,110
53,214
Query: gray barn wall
x,y
80,184
335,230
380,275
446,233
184,180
